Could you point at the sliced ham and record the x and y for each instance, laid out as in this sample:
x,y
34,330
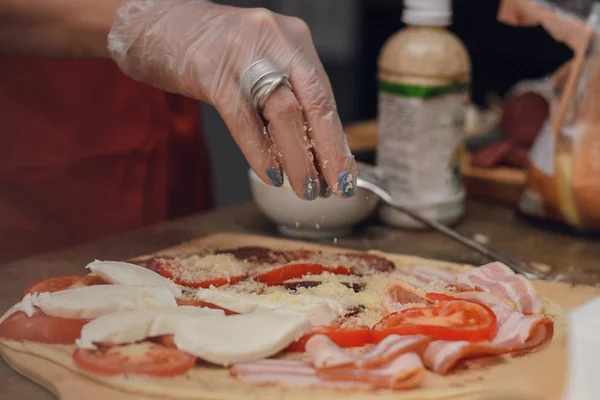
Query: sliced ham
x,y
287,372
412,284
325,354
500,280
392,364
516,334
399,295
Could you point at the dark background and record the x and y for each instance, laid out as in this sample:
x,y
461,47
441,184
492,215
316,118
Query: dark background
x,y
501,56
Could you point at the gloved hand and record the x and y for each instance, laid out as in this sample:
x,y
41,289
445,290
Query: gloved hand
x,y
199,49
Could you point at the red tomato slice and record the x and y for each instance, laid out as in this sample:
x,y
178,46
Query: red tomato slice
x,y
41,328
140,358
200,303
59,283
281,274
445,320
165,269
355,336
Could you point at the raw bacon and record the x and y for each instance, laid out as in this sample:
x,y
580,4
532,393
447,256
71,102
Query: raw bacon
x,y
498,279
392,364
325,354
390,347
403,372
516,334
287,372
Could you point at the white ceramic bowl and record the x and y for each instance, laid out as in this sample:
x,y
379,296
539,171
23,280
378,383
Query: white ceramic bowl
x,y
315,219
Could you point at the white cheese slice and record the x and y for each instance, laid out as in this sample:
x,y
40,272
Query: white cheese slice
x,y
131,326
239,338
93,301
122,273
320,310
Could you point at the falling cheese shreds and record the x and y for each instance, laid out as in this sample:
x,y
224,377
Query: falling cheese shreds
x,y
329,277
332,290
370,297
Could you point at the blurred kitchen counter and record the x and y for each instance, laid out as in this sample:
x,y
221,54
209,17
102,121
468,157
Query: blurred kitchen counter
x,y
498,224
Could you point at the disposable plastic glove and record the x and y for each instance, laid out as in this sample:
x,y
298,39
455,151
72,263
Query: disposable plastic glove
x,y
199,49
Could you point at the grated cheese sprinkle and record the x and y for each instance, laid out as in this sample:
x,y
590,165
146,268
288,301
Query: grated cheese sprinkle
x,y
196,268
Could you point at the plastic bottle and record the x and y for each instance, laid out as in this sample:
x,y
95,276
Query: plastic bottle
x,y
424,76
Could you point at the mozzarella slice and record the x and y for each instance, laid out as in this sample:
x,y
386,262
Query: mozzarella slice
x,y
321,311
122,273
93,301
132,326
239,338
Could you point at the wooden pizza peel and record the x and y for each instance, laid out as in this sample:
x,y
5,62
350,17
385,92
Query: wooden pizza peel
x,y
539,376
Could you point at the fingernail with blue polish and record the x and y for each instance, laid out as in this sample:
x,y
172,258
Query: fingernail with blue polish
x,y
347,187
275,177
310,188
325,191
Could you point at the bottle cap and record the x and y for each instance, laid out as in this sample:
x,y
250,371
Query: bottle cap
x,y
427,12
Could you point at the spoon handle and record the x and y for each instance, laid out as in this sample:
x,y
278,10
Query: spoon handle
x,y
514,264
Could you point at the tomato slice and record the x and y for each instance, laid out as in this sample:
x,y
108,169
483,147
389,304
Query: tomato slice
x,y
59,283
345,337
139,358
41,328
445,320
167,269
283,273
200,303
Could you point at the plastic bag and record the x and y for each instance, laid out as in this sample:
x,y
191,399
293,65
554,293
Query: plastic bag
x,y
564,163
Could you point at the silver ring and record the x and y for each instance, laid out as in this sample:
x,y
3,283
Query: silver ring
x,y
260,80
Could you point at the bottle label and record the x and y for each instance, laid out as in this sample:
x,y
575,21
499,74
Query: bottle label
x,y
420,130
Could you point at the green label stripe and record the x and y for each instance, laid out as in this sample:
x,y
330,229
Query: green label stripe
x,y
421,92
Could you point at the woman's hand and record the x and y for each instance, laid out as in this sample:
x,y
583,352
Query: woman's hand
x,y
200,49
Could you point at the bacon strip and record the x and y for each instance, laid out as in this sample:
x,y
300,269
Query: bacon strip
x,y
498,279
516,334
403,372
392,364
390,347
287,372
325,354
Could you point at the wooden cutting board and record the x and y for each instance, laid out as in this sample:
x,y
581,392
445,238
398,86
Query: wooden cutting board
x,y
540,376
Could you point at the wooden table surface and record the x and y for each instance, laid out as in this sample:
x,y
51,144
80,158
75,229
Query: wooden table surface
x,y
504,230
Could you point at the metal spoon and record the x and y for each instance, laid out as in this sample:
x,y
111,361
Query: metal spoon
x,y
369,178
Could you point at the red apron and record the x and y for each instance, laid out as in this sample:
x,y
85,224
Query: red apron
x,y
86,152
